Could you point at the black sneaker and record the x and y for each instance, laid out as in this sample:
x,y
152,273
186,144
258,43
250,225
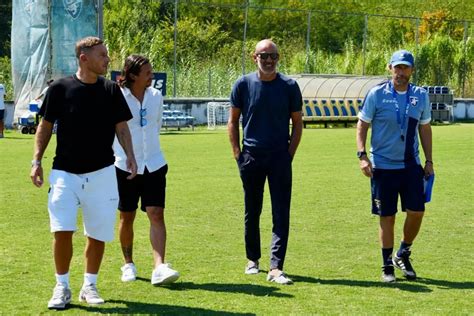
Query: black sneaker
x,y
403,263
388,274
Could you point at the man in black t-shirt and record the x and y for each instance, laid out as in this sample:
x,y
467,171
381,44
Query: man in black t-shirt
x,y
89,111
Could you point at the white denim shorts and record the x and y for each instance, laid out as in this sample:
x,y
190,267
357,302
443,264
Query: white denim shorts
x,y
95,192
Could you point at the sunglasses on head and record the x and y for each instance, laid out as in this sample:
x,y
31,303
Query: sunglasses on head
x,y
143,121
273,56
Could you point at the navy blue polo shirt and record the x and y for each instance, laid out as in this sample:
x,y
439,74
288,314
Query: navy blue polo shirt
x,y
266,110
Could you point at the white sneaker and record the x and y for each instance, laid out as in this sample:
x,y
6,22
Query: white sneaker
x,y
129,272
61,297
164,275
252,267
281,278
388,274
90,294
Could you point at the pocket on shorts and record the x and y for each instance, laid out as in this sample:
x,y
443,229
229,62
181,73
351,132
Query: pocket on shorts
x,y
57,184
245,161
239,159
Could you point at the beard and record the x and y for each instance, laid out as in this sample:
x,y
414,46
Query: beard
x,y
267,68
401,80
101,69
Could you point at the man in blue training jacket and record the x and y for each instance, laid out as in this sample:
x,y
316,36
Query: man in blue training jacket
x,y
398,112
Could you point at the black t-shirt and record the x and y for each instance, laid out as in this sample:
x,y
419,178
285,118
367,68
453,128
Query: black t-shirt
x,y
86,115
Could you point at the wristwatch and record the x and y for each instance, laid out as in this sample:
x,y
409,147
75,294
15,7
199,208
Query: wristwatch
x,y
35,163
361,154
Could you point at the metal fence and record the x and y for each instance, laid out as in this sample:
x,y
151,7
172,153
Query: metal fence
x,y
311,36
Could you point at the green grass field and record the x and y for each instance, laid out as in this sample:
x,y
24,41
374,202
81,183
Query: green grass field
x,y
333,253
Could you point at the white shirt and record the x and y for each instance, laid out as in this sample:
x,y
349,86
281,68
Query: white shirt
x,y
145,140
39,99
2,97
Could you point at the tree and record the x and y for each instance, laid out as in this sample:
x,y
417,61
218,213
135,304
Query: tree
x,y
5,27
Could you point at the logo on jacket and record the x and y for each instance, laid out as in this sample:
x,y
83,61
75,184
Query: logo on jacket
x,y
73,7
414,101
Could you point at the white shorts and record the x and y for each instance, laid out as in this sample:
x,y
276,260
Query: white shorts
x,y
95,192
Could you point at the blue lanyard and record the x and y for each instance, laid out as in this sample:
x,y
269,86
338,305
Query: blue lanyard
x,y
401,121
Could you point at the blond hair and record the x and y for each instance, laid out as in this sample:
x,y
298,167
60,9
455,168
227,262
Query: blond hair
x,y
86,43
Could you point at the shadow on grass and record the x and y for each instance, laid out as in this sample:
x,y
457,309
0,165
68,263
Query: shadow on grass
x,y
251,289
447,285
143,279
401,284
148,308
19,137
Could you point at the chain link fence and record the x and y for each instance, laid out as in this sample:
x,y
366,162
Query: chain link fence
x,y
310,41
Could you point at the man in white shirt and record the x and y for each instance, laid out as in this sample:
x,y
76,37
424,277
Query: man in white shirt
x,y
2,109
40,98
146,105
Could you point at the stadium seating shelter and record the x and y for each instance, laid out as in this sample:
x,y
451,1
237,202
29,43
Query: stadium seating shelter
x,y
333,98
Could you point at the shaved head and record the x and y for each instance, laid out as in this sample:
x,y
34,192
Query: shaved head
x,y
266,45
266,58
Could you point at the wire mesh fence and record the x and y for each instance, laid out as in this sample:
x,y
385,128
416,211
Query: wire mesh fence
x,y
205,46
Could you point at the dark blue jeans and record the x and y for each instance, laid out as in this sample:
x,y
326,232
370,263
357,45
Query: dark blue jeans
x,y
255,167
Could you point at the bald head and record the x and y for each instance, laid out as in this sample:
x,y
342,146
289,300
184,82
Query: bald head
x,y
266,45
266,58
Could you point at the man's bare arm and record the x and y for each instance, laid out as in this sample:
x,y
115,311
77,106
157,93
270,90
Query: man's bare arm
x,y
426,139
125,139
361,138
296,132
42,138
233,129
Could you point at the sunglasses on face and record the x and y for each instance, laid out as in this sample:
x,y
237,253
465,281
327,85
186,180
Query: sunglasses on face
x,y
143,121
264,56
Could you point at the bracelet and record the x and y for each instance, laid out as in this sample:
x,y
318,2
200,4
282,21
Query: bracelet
x,y
36,163
429,161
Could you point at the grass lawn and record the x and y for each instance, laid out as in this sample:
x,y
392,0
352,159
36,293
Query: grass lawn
x,y
333,253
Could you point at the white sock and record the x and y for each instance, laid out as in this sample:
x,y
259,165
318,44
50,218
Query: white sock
x,y
63,278
90,278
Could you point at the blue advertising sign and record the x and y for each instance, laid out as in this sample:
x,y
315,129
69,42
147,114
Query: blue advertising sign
x,y
158,82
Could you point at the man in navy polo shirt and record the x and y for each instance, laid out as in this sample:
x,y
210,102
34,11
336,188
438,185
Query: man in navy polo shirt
x,y
267,100
398,112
